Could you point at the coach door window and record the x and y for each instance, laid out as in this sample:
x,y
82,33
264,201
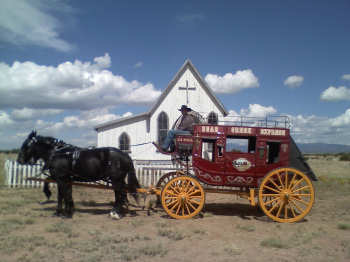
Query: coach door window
x,y
240,144
208,149
273,152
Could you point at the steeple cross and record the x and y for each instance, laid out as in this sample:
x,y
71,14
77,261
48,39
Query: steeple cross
x,y
187,88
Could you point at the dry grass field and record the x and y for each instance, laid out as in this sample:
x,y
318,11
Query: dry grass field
x,y
229,230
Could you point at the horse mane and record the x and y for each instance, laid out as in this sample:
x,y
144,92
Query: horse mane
x,y
58,144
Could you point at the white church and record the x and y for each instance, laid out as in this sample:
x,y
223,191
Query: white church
x,y
134,134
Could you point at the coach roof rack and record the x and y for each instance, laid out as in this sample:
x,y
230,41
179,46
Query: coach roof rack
x,y
273,121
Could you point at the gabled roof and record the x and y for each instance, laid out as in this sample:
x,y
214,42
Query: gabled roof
x,y
187,65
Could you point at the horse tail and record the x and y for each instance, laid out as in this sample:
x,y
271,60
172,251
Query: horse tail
x,y
133,183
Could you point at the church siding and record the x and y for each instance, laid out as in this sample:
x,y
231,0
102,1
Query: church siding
x,y
185,89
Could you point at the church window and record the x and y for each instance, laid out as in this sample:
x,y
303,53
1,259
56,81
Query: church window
x,y
124,142
213,118
163,126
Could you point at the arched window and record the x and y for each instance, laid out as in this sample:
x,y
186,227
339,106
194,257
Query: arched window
x,y
163,126
213,118
124,142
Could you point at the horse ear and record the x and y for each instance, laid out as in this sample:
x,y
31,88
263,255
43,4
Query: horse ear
x,y
32,134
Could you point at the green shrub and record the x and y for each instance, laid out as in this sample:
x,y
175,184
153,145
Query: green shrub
x,y
344,226
344,157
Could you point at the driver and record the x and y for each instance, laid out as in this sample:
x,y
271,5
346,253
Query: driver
x,y
183,125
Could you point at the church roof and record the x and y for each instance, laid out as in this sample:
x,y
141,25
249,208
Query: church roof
x,y
187,65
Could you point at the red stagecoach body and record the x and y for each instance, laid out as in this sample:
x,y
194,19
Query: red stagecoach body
x,y
238,156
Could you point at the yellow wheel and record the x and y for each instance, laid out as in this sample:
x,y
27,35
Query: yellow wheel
x,y
183,197
286,195
164,180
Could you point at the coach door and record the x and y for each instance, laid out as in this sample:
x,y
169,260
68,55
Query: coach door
x,y
240,155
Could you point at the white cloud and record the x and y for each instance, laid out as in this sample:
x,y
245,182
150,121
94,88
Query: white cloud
x,y
232,83
138,64
346,77
293,81
29,114
28,22
5,119
190,18
256,110
77,85
336,94
342,120
305,128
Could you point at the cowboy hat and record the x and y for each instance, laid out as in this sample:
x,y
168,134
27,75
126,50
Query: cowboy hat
x,y
184,107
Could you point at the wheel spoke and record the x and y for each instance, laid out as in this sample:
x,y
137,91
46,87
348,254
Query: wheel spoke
x,y
178,209
270,195
194,192
169,192
280,179
292,181
301,194
292,209
301,188
176,203
285,211
170,197
193,202
274,183
174,187
271,201
272,189
297,207
286,180
297,183
274,206
301,201
187,208
190,204
279,210
191,189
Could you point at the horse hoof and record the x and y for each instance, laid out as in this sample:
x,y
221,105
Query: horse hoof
x,y
57,214
114,215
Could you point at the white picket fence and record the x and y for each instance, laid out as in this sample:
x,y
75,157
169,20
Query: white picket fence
x,y
16,174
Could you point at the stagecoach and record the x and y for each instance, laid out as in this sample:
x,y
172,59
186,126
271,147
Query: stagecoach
x,y
256,159
252,158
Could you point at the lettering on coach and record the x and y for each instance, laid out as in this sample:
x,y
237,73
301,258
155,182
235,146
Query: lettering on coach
x,y
272,132
241,130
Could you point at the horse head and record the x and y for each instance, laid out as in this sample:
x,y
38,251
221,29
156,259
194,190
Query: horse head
x,y
34,148
27,154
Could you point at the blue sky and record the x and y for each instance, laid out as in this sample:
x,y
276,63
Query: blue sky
x,y
66,66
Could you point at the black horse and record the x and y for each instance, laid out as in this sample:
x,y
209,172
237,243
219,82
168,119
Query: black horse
x,y
67,163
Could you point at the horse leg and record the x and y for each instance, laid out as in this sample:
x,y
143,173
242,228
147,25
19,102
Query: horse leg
x,y
47,190
116,212
60,194
68,200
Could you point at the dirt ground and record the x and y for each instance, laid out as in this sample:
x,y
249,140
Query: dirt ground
x,y
229,230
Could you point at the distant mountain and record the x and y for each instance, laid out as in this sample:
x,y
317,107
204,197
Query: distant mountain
x,y
322,148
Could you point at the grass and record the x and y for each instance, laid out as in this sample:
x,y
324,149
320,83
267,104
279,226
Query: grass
x,y
14,243
274,242
343,226
232,249
247,228
170,234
